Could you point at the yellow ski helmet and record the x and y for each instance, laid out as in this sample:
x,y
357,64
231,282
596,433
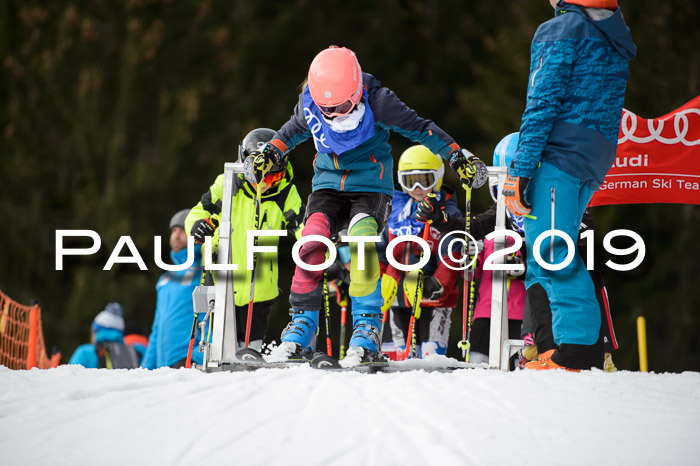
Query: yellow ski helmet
x,y
418,166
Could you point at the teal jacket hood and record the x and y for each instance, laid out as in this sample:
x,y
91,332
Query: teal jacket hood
x,y
613,28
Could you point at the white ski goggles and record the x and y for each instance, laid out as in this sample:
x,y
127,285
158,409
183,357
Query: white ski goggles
x,y
425,179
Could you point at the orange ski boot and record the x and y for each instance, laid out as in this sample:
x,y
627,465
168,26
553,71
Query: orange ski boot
x,y
545,362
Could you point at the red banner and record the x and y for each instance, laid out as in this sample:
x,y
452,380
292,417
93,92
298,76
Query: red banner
x,y
657,161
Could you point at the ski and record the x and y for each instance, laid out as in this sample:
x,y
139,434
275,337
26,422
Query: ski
x,y
252,366
381,364
367,364
323,362
250,360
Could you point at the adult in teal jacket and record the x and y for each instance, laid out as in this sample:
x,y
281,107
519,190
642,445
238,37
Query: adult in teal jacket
x,y
568,138
172,324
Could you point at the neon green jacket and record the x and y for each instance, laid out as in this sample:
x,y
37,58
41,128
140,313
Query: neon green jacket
x,y
281,208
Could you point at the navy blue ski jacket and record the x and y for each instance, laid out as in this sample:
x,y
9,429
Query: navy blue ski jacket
x,y
578,74
368,167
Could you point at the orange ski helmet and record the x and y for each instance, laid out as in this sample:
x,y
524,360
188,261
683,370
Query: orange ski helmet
x,y
335,81
607,4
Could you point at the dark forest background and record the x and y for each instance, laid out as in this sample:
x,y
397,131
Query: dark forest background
x,y
116,114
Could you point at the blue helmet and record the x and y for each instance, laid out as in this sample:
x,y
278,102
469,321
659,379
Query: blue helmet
x,y
503,155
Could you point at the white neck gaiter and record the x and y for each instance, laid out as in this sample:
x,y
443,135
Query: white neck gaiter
x,y
345,123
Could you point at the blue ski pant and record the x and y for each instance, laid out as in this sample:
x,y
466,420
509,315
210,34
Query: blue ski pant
x,y
558,201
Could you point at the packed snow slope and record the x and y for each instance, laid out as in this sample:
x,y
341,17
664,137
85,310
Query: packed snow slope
x,y
301,416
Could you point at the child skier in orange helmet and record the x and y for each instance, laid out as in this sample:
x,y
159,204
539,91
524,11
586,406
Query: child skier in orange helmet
x,y
349,115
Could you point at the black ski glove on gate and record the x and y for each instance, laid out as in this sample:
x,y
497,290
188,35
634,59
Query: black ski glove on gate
x,y
472,171
432,288
203,228
260,162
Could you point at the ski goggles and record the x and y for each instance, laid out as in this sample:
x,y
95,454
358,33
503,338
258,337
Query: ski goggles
x,y
272,179
338,110
411,180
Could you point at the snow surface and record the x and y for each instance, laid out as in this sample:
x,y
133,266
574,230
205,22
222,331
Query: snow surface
x,y
301,416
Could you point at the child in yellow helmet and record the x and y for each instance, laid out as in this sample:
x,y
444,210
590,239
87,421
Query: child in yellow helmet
x,y
420,173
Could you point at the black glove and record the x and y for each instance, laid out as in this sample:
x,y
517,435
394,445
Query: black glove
x,y
429,210
260,162
472,171
294,220
432,288
203,228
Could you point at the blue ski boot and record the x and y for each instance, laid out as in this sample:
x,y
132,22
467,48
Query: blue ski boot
x,y
299,337
365,342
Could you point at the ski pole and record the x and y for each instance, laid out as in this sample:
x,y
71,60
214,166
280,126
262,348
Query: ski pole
x,y
385,313
470,316
188,361
249,320
466,320
343,317
327,312
410,341
207,278
389,289
413,345
342,302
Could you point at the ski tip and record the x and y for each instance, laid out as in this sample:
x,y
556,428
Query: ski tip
x,y
249,355
323,361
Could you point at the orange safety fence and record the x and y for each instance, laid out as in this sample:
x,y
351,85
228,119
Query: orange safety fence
x,y
22,337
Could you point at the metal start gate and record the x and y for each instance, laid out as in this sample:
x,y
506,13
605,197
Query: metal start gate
x,y
218,301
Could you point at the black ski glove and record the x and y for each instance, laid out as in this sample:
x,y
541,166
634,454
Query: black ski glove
x,y
203,228
294,220
472,171
429,210
432,288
